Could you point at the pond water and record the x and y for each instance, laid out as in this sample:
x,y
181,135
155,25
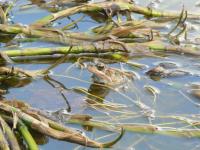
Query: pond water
x,y
174,97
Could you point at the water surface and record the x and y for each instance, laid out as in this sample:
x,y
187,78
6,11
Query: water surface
x,y
174,98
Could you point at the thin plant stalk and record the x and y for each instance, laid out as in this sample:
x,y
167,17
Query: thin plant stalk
x,y
119,6
10,135
3,143
27,136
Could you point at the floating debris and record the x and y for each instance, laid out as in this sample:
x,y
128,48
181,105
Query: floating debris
x,y
137,65
195,89
153,90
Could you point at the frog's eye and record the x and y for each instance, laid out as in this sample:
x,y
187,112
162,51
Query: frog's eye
x,y
100,66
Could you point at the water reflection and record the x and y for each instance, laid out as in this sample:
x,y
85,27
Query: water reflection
x,y
60,87
99,93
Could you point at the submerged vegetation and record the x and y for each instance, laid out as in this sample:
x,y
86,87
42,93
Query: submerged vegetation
x,y
106,58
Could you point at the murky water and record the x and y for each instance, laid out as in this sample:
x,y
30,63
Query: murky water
x,y
174,98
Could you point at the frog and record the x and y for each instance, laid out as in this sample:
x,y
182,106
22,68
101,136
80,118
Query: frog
x,y
163,72
104,74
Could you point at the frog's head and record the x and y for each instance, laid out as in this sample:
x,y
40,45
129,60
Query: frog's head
x,y
96,68
100,66
157,71
99,72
